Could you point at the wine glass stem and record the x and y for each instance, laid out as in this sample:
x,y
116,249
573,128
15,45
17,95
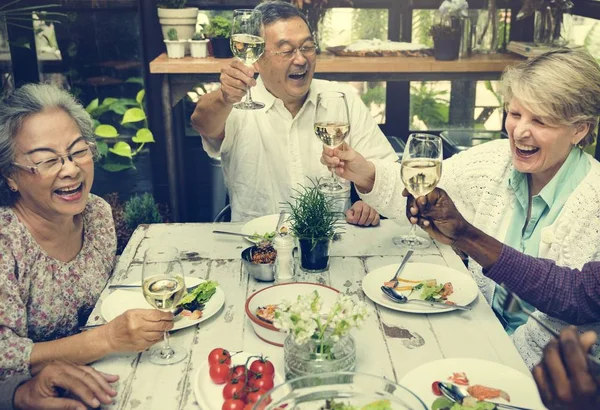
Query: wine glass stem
x,y
249,96
412,234
166,351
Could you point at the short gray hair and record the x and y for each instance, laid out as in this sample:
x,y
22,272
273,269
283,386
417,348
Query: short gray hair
x,y
16,107
273,11
561,86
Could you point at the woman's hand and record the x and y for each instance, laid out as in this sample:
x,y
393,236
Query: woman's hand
x,y
137,329
351,165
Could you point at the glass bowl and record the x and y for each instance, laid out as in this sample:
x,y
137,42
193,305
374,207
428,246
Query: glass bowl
x,y
352,389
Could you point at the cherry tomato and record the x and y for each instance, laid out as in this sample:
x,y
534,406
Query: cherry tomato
x,y
263,366
249,406
254,395
435,388
234,390
237,373
218,373
219,355
260,382
232,404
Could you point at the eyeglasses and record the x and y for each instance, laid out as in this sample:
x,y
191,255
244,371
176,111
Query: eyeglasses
x,y
306,51
53,165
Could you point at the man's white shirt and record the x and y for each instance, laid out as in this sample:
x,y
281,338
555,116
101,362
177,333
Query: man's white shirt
x,y
266,153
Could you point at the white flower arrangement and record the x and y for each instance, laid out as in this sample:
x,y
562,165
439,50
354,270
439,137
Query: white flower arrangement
x,y
454,8
304,321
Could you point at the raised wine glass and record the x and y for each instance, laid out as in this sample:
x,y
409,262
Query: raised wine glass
x,y
332,126
420,171
163,286
248,45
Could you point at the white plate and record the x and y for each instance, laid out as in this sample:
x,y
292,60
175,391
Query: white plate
x,y
520,387
261,226
465,288
122,300
210,395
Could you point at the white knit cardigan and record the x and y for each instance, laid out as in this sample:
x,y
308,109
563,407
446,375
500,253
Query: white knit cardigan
x,y
477,181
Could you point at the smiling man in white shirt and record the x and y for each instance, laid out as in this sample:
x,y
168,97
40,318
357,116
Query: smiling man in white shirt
x,y
269,152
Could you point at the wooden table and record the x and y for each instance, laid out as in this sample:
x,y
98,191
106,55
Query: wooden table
x,y
180,75
390,344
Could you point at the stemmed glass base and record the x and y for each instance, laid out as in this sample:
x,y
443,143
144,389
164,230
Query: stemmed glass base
x,y
166,355
332,186
248,105
413,242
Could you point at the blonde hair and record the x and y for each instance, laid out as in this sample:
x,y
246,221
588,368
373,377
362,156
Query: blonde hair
x,y
562,87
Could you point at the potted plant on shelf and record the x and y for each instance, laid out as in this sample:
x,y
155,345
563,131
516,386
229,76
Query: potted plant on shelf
x,y
313,223
219,32
198,46
447,33
175,46
173,14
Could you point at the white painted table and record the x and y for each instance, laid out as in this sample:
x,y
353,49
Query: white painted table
x,y
389,345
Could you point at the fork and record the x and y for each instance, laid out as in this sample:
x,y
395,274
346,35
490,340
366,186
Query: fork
x,y
394,279
513,304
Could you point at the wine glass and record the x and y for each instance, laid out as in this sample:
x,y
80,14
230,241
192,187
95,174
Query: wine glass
x,y
163,286
332,126
248,45
420,171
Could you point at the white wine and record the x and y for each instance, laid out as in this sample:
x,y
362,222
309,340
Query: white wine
x,y
332,133
163,292
247,48
421,176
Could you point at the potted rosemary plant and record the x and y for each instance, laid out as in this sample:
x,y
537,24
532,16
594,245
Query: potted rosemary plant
x,y
313,221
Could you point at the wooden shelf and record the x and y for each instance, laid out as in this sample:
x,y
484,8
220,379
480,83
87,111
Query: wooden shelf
x,y
327,63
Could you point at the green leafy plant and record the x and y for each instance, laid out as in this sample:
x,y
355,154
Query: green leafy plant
x,y
172,35
311,216
141,210
23,17
114,146
172,4
428,104
219,27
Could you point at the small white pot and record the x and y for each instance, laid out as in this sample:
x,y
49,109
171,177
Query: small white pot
x,y
175,48
199,48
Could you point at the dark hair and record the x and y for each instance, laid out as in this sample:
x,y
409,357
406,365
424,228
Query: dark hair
x,y
273,11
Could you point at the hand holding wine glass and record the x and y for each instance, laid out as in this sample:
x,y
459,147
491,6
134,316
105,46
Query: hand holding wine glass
x,y
163,286
248,45
332,126
421,170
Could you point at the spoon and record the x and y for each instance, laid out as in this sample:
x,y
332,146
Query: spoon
x,y
398,298
458,394
394,280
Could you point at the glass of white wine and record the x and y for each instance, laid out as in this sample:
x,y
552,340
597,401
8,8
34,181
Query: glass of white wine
x,y
420,171
163,286
332,126
248,45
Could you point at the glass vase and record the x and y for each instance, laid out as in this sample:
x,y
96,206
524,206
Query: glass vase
x,y
318,356
548,29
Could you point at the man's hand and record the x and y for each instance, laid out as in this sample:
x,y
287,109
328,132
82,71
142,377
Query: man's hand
x,y
563,377
437,215
362,214
88,385
350,165
236,78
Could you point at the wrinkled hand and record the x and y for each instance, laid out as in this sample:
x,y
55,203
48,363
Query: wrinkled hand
x,y
236,78
137,329
563,377
349,164
437,215
362,214
42,392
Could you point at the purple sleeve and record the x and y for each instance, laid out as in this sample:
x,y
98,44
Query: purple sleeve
x,y
570,295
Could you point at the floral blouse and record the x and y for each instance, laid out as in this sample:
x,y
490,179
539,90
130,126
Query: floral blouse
x,y
41,298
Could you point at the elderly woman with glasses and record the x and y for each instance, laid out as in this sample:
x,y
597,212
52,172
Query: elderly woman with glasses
x,y
57,241
537,191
